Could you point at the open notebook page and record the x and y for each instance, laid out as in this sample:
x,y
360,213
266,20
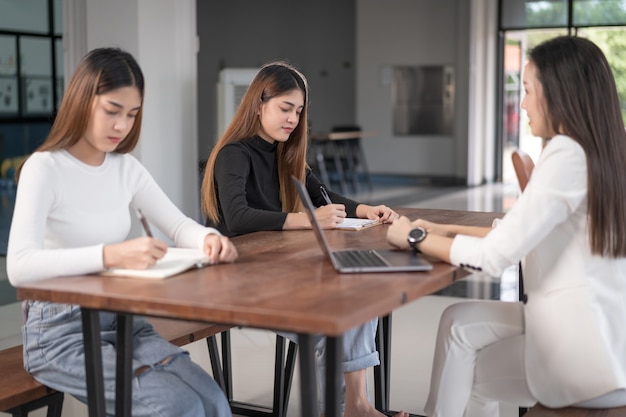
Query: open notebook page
x,y
175,261
351,223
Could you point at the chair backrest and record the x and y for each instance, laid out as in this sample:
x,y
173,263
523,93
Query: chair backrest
x,y
523,164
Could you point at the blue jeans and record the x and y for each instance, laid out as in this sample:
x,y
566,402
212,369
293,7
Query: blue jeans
x,y
358,352
166,382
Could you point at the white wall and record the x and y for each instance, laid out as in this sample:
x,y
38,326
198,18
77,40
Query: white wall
x,y
460,33
408,32
318,37
161,35
393,32
167,54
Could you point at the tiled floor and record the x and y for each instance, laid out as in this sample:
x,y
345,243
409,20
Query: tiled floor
x,y
414,326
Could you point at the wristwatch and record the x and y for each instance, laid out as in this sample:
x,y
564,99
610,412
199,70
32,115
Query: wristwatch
x,y
416,236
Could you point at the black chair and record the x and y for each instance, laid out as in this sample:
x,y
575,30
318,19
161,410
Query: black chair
x,y
283,376
341,161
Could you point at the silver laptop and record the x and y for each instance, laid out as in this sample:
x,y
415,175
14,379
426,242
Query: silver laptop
x,y
361,260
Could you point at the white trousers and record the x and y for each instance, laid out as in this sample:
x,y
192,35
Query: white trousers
x,y
479,362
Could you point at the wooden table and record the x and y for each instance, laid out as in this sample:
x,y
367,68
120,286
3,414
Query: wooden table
x,y
281,281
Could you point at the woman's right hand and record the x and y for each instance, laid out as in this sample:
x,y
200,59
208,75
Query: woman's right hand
x,y
139,253
330,215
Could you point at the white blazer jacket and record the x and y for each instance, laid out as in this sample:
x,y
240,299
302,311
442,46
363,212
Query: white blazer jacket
x,y
575,302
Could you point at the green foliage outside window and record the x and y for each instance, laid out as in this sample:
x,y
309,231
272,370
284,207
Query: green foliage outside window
x,y
612,41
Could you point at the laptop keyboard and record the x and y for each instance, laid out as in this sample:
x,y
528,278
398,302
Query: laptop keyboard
x,y
350,258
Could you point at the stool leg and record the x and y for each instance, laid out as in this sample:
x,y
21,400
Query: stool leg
x,y
222,372
283,376
363,163
227,363
321,164
290,366
352,163
53,401
55,406
339,167
279,377
216,365
382,372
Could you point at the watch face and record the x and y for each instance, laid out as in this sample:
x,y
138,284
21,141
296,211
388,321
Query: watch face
x,y
416,235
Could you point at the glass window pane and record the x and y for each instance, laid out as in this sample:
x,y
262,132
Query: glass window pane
x,y
37,95
24,15
58,17
596,12
612,41
60,84
8,55
36,55
36,71
521,14
8,96
58,56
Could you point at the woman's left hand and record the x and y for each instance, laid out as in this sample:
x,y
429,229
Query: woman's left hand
x,y
219,249
398,233
382,213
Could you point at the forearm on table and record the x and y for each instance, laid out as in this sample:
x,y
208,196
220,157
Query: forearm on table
x,y
361,211
295,221
457,229
437,246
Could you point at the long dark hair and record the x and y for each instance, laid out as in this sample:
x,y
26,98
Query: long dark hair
x,y
582,102
273,79
100,71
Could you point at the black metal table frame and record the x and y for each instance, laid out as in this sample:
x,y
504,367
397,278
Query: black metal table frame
x,y
124,373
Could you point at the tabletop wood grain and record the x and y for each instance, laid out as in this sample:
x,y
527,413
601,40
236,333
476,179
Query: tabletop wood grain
x,y
281,281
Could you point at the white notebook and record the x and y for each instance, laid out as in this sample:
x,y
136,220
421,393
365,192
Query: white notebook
x,y
175,261
352,223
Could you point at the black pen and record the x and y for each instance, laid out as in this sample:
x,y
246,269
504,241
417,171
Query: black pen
x,y
144,223
325,195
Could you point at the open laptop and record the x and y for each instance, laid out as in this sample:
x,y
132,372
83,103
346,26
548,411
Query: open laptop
x,y
361,260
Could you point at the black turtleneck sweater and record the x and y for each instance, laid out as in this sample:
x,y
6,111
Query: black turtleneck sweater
x,y
248,192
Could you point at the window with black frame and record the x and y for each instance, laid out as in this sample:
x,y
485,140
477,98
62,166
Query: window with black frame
x,y
31,87
526,23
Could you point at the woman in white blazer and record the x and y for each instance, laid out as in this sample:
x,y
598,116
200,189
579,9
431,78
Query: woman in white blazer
x,y
565,344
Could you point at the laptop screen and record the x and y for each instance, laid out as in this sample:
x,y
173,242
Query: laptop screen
x,y
309,208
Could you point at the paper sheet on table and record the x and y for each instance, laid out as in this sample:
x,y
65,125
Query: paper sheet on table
x,y
175,261
351,223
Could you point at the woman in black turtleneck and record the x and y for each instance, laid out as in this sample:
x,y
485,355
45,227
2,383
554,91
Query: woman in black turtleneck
x,y
247,187
247,183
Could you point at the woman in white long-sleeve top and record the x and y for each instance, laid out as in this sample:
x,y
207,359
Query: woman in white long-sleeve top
x,y
565,344
72,217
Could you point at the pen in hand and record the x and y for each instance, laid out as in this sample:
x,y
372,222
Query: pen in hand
x,y
325,195
144,223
